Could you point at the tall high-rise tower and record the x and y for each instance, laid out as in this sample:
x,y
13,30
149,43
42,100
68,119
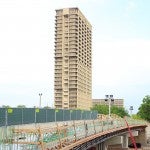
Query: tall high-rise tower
x,y
73,72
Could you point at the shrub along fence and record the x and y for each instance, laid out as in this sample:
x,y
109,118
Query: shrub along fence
x,y
17,116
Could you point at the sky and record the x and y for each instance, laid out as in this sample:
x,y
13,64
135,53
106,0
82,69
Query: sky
x,y
120,49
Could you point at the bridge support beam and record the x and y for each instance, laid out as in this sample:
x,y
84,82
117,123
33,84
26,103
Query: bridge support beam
x,y
115,142
92,148
100,146
118,142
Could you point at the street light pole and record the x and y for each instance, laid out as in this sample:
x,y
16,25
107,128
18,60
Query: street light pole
x,y
131,108
40,94
109,98
109,101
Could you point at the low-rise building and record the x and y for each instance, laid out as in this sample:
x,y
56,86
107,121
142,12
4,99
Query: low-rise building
x,y
115,102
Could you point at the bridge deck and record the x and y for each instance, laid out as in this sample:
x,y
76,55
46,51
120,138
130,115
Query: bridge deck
x,y
64,135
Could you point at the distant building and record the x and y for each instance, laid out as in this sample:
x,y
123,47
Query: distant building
x,y
73,60
115,102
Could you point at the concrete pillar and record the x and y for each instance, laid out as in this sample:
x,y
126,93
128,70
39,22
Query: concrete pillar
x,y
125,141
147,130
141,138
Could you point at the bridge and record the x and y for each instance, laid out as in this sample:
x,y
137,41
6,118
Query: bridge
x,y
97,134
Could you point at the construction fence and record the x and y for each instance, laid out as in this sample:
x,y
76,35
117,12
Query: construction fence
x,y
18,116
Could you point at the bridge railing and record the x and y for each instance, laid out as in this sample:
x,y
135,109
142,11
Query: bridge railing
x,y
63,134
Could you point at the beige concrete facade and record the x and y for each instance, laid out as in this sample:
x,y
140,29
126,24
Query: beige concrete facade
x,y
73,58
115,102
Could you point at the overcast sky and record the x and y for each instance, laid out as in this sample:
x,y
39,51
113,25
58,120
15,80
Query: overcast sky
x,y
121,49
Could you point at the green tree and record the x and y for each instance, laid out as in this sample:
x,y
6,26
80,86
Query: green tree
x,y
144,109
46,107
21,106
103,109
5,106
136,116
120,111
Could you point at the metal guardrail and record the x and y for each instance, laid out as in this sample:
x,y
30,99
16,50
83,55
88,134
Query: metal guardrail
x,y
59,135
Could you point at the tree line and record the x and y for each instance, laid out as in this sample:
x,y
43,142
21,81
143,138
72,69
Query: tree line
x,y
143,110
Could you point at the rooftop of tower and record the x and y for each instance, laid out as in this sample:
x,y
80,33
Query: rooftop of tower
x,y
61,9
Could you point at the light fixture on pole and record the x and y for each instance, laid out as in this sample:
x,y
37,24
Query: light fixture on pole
x,y
40,94
131,108
110,99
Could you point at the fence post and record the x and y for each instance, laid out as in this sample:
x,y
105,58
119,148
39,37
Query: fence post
x,y
59,136
108,119
6,117
91,115
22,116
81,115
75,133
94,126
76,114
70,114
6,122
56,110
86,128
35,116
102,123
46,115
63,114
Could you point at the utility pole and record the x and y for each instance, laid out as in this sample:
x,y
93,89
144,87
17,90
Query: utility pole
x,y
110,99
40,94
131,108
